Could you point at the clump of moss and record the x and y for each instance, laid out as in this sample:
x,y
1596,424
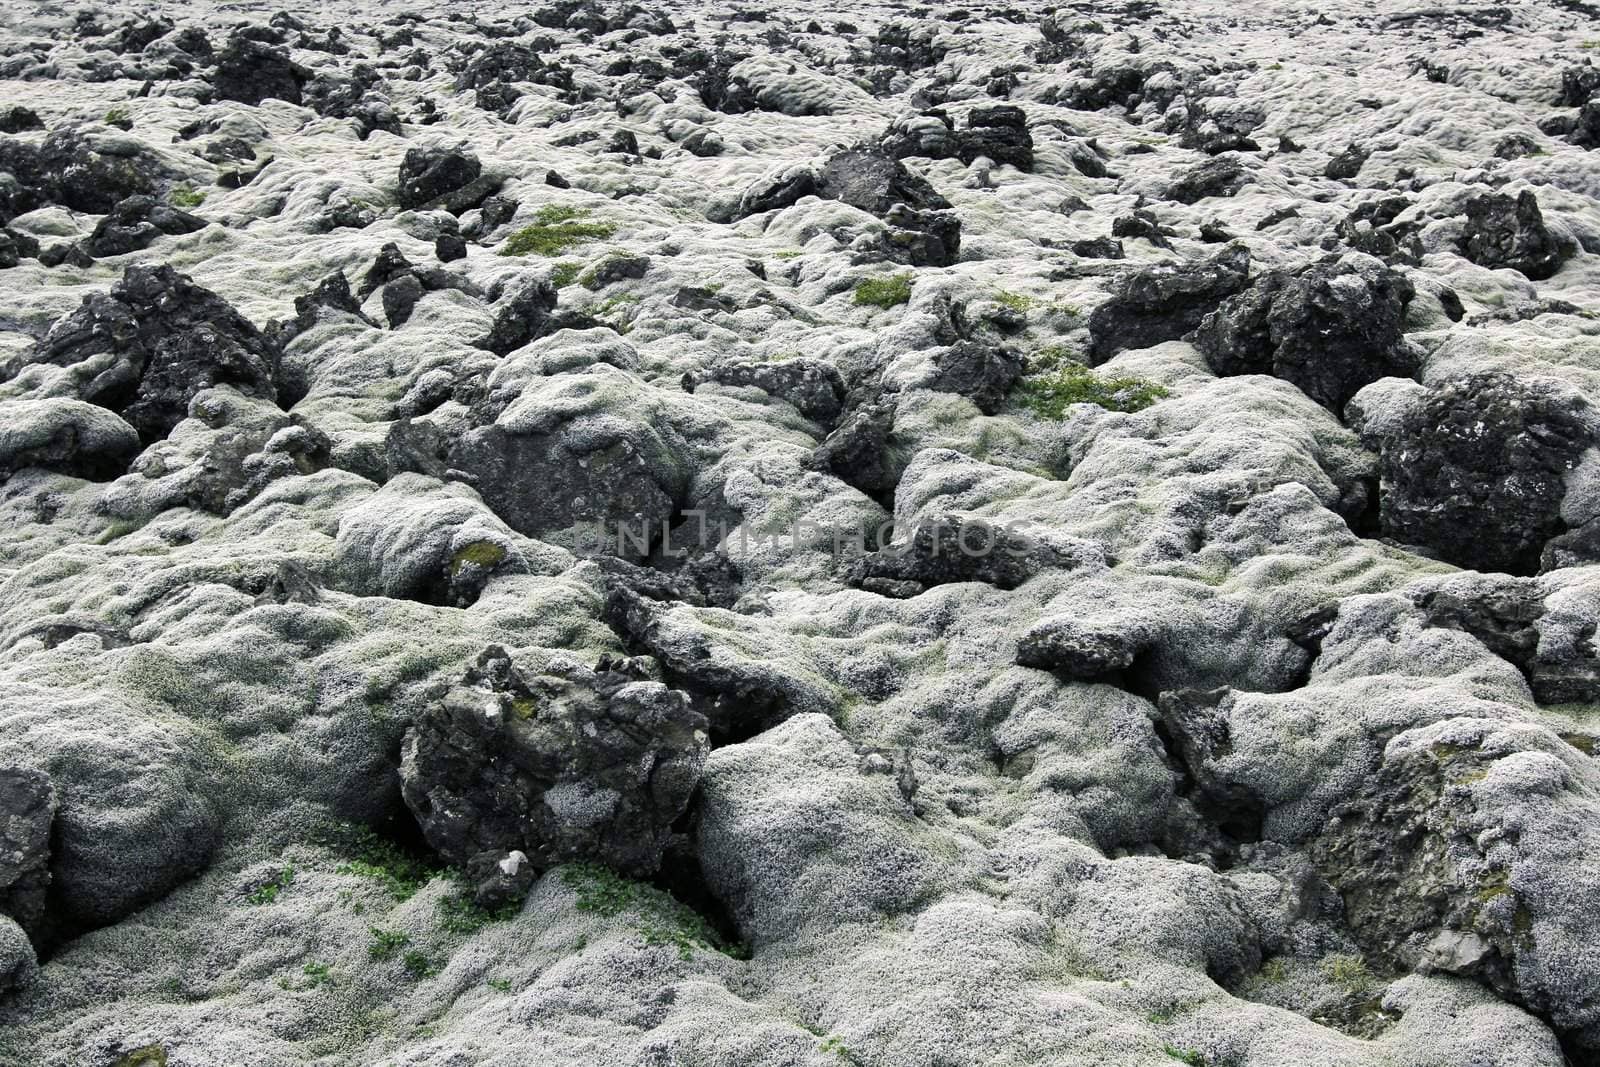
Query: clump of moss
x,y
1349,972
1015,301
885,292
1056,383
658,917
399,872
119,117
1185,1055
386,944
461,914
564,274
149,1056
485,554
418,965
268,891
555,229
183,196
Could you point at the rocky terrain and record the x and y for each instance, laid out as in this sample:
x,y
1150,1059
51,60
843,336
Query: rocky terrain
x,y
695,534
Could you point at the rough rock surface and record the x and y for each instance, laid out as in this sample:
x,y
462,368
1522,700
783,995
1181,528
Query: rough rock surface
x,y
601,763
1331,328
1478,470
698,533
1150,305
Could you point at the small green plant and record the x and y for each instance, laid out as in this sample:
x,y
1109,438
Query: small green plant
x,y
836,1046
418,965
499,985
1185,1055
386,944
1273,970
371,856
555,229
1349,972
659,918
1057,382
1015,301
149,1056
118,529
183,196
884,292
317,974
118,116
461,914
268,891
565,273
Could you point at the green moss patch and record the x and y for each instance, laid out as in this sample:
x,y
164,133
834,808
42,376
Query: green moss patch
x,y
554,230
1056,383
658,917
884,292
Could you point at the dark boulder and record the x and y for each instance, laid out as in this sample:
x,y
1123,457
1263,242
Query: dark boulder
x,y
874,181
616,268
1505,231
503,61
15,247
168,339
631,482
1218,176
1214,130
251,71
1504,614
1163,303
1097,248
497,97
813,387
14,118
1476,471
1347,164
1141,223
943,549
1082,652
27,812
389,264
857,451
1330,328
400,297
777,192
907,46
1578,84
1584,131
493,213
439,177
999,132
134,223
922,238
331,298
983,373
508,768
449,247
526,316
91,173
